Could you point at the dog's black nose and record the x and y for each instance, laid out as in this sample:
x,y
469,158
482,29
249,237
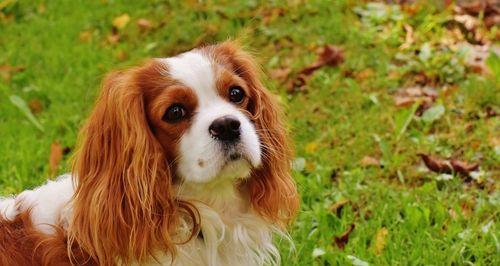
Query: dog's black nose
x,y
226,128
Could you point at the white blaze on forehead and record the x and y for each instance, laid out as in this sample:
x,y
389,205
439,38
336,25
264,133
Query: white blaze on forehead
x,y
195,70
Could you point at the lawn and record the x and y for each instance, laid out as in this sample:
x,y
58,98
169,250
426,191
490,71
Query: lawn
x,y
407,86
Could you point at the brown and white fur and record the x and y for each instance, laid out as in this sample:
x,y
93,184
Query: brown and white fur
x,y
152,183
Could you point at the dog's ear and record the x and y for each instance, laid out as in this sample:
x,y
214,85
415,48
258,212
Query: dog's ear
x,y
272,190
124,204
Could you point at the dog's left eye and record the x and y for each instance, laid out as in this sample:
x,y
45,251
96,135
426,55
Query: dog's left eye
x,y
236,94
174,113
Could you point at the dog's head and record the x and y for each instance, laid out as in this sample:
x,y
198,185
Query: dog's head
x,y
197,117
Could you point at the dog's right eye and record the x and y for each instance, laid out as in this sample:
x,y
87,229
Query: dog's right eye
x,y
174,113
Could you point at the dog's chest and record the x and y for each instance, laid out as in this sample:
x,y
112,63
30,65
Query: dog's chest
x,y
231,234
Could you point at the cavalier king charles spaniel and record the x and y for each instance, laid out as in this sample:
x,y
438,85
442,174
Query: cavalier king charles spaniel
x,y
183,161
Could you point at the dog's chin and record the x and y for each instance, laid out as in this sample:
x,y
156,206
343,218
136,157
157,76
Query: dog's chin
x,y
236,166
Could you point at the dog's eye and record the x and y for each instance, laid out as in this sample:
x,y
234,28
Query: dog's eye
x,y
236,94
174,113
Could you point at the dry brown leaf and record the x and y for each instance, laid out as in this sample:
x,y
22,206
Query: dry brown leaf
x,y
121,21
491,112
281,74
476,57
463,168
425,96
6,71
449,166
327,55
8,68
436,165
369,161
409,40
270,15
404,101
35,106
338,206
298,84
379,241
56,152
343,239
113,38
364,74
144,24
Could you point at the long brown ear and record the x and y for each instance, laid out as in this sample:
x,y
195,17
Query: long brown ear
x,y
272,190
123,207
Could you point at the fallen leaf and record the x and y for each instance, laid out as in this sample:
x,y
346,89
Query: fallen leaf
x,y
355,261
35,106
406,97
144,24
281,74
476,57
449,166
113,38
433,114
327,55
463,168
379,241
318,252
298,84
6,71
8,68
270,15
56,152
436,165
365,74
338,206
409,40
121,21
403,101
491,112
343,239
369,161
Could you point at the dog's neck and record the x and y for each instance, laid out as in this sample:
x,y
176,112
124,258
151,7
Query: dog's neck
x,y
222,195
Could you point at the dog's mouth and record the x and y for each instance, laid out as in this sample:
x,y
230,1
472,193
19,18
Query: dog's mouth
x,y
234,156
236,165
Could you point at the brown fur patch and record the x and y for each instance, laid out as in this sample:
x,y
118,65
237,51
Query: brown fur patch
x,y
124,206
22,244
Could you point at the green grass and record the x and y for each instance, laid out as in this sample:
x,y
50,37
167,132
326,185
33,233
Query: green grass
x,y
343,116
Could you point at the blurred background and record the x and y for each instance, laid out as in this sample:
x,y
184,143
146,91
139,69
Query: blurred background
x,y
393,108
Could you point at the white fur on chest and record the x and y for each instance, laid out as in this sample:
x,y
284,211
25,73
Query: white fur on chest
x,y
231,233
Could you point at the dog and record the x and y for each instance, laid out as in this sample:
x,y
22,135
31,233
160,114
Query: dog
x,y
183,161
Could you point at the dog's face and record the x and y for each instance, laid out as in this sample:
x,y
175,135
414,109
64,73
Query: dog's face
x,y
207,105
196,117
